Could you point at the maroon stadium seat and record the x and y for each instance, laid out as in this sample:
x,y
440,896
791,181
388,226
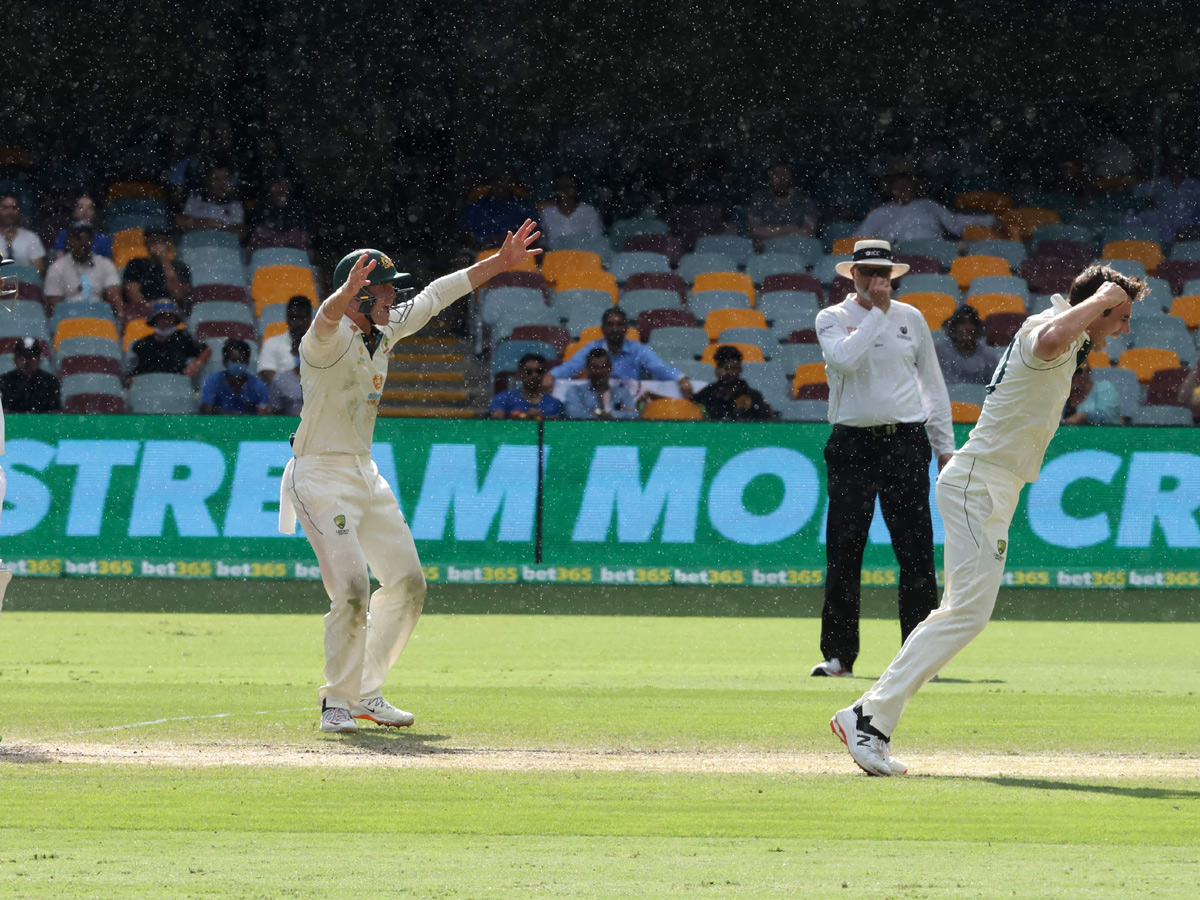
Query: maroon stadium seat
x,y
649,319
1002,327
262,238
225,329
551,334
802,336
839,288
920,265
816,391
520,278
787,281
78,365
1048,274
93,403
666,244
1077,253
1177,272
27,291
220,292
690,220
1164,387
667,281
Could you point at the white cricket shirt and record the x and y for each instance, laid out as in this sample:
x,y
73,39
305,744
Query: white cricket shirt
x,y
1025,401
882,369
342,382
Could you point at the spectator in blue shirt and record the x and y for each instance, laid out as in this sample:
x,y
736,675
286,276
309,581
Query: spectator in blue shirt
x,y
530,400
499,211
600,398
630,360
235,390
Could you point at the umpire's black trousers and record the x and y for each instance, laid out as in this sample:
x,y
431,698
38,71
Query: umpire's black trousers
x,y
891,462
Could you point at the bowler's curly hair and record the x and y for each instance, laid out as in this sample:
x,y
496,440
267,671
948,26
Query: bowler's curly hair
x,y
1092,278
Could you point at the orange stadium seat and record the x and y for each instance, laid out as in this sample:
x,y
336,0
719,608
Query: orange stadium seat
x,y
1020,223
273,329
725,281
981,233
144,190
278,284
1098,359
1148,253
671,408
994,202
808,373
84,327
963,412
573,348
966,269
1188,309
720,319
560,262
844,246
986,304
592,281
594,333
1145,361
527,265
135,329
127,244
750,352
935,306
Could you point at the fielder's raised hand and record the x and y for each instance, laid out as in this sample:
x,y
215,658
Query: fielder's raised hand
x,y
515,250
335,305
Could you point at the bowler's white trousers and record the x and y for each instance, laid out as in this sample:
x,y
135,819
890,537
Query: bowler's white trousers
x,y
977,501
5,574
350,517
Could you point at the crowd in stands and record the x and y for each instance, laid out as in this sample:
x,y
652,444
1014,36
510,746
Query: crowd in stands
x,y
677,284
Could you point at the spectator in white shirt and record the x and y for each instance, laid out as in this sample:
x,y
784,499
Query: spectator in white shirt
x,y
218,208
279,352
16,243
908,217
888,404
568,215
83,275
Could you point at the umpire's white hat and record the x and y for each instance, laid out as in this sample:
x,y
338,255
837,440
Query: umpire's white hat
x,y
871,253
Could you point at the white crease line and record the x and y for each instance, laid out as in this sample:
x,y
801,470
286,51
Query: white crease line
x,y
261,712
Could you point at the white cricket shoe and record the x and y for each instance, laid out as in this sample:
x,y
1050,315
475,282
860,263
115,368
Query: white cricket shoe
x,y
335,720
871,751
381,712
831,668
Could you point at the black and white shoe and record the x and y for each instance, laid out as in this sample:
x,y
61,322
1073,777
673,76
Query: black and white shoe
x,y
831,668
868,747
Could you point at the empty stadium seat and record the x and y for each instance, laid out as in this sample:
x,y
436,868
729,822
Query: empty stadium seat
x,y
760,267
623,229
671,408
988,304
737,248
934,306
1002,327
944,251
693,264
964,413
924,284
1187,309
84,327
1011,251
595,333
667,245
1164,387
676,341
966,269
1148,253
667,281
559,263
807,248
555,335
634,303
1171,416
278,284
1145,361
590,280
631,263
92,383
507,354
790,282
702,303
718,320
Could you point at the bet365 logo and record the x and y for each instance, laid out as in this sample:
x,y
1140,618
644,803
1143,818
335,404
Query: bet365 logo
x,y
340,522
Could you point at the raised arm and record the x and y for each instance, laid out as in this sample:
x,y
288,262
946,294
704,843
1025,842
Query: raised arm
x,y
328,317
513,252
1057,335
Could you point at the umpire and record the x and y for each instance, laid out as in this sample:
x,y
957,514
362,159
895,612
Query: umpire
x,y
887,404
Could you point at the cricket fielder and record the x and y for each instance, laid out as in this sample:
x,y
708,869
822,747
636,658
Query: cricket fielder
x,y
977,494
347,510
8,294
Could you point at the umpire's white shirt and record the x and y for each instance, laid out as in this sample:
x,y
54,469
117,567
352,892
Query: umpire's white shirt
x,y
1025,401
882,369
342,383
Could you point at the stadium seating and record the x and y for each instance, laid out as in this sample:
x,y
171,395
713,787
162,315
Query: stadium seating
x,y
233,292
1002,327
623,229
634,303
750,352
766,264
724,281
678,342
581,304
1134,268
807,248
718,320
737,248
919,265
555,335
702,303
994,202
664,244
989,304
197,239
658,280
162,393
1011,251
693,264
789,356
966,269
92,383
517,278
84,327
964,413
1164,387
923,284
1023,222
787,282
589,280
671,408
632,262
1177,273
1148,253
90,404
808,374
563,263
801,410
652,319
1187,309
515,304
278,284
944,251
790,306
23,272
1048,274
1145,361
1171,416
507,354
527,264
691,220
592,244
595,333
279,256
1185,251
844,246
135,329
1060,232
127,244
934,306
824,270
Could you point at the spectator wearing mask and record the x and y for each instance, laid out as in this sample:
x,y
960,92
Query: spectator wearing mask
x,y
278,353
730,398
81,275
170,348
27,389
234,390
17,243
530,400
156,276
963,357
568,215
84,210
600,397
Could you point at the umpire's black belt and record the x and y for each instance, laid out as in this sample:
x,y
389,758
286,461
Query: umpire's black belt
x,y
892,428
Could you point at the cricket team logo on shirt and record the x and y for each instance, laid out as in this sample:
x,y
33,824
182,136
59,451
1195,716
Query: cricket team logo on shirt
x,y
379,379
340,522
1001,546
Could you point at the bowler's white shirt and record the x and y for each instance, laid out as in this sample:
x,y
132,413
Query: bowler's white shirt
x,y
1025,401
342,383
883,369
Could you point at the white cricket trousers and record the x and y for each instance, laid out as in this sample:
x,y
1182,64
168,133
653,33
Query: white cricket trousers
x,y
352,520
977,501
5,574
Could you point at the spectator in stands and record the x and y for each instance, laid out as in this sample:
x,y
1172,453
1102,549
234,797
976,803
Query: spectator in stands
x,y
27,389
1173,198
84,210
730,398
962,355
279,212
499,211
630,360
1189,392
780,209
568,215
157,276
170,348
17,243
284,395
600,397
81,275
217,207
277,352
234,390
1090,403
906,217
530,400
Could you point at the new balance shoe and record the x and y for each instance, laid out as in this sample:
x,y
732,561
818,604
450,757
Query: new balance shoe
x,y
335,720
831,668
868,747
381,712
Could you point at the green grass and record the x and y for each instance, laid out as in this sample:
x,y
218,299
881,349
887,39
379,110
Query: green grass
x,y
681,682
